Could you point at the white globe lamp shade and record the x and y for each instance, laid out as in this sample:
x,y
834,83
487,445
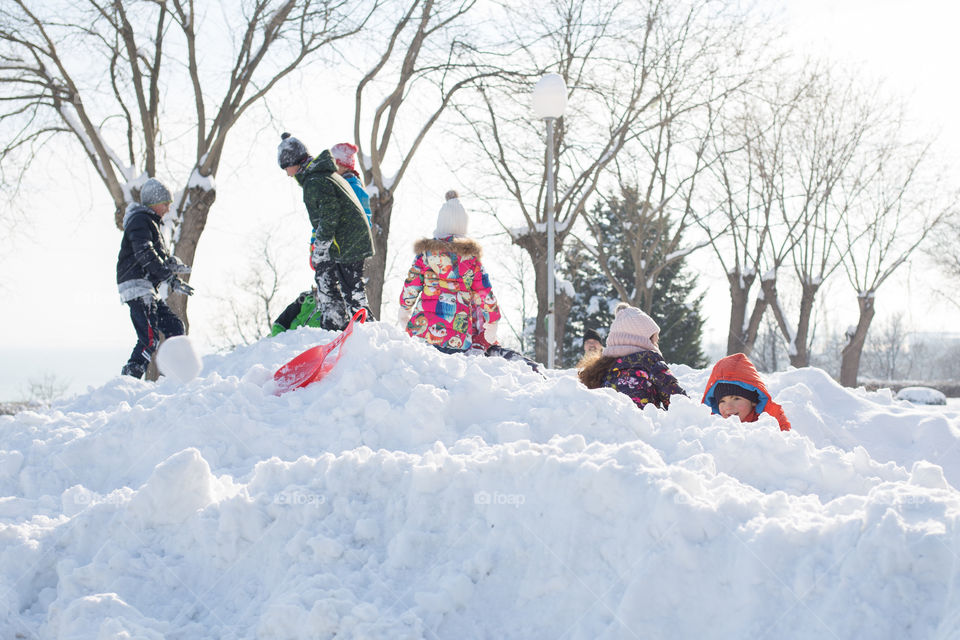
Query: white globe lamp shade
x,y
550,96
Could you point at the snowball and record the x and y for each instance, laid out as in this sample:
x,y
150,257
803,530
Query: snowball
x,y
177,359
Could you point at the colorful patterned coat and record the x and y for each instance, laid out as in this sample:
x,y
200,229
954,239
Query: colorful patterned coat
x,y
645,377
445,281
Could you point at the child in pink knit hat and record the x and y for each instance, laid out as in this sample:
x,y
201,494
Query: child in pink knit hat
x,y
631,362
345,157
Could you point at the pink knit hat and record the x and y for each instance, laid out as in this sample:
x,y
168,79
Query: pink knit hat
x,y
631,331
346,154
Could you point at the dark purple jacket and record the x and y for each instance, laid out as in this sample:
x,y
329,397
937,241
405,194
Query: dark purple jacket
x,y
645,377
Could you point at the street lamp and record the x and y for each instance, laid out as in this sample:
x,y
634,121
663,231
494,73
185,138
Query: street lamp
x,y
549,103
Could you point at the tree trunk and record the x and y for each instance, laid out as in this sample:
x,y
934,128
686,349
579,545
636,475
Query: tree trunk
x,y
850,361
381,208
802,356
185,244
739,292
564,304
535,244
644,298
752,330
772,299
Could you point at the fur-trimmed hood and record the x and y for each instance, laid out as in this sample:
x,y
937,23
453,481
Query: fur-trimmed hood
x,y
463,247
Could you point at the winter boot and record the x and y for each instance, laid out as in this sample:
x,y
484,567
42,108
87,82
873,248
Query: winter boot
x,y
134,369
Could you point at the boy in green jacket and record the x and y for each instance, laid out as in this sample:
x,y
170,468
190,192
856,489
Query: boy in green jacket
x,y
302,312
342,237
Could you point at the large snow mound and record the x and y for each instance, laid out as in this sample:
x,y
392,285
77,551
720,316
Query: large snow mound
x,y
412,494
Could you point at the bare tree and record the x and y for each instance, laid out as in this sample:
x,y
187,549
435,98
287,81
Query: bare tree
x,y
519,283
253,302
836,120
769,346
947,257
755,234
429,55
905,202
653,221
46,389
622,63
103,73
884,351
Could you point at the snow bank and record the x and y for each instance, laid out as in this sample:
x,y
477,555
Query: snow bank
x,y
922,395
417,495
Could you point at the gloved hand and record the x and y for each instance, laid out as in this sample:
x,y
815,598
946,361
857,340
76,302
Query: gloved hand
x,y
490,333
176,266
178,285
403,317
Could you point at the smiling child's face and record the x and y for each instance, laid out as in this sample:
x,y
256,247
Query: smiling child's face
x,y
735,406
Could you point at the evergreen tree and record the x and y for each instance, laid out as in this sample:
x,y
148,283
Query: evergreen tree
x,y
676,307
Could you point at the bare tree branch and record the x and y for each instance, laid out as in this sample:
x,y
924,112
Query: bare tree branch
x,y
51,57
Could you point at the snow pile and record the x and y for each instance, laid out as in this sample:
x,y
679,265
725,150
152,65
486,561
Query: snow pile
x,y
921,395
412,494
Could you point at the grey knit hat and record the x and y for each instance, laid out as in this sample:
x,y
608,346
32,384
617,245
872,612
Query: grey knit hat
x,y
153,192
290,151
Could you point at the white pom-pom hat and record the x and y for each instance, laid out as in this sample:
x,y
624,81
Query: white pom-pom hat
x,y
452,219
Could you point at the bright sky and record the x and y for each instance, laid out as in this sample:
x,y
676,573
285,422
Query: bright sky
x,y
63,314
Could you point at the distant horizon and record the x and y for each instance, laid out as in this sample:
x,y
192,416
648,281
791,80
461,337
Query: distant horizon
x,y
78,367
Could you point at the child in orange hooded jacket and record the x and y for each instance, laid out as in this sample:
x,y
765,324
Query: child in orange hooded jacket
x,y
735,388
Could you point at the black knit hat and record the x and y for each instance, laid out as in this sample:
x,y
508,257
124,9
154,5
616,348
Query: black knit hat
x,y
722,389
590,334
290,151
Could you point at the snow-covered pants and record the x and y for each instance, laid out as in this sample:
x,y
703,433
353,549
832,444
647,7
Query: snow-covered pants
x,y
150,318
340,292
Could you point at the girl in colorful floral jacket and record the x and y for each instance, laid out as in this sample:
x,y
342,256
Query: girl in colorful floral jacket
x,y
445,281
631,362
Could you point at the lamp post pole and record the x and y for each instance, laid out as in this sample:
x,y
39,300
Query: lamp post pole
x,y
551,248
549,103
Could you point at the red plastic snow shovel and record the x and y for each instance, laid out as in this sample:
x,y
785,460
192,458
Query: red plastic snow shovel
x,y
314,363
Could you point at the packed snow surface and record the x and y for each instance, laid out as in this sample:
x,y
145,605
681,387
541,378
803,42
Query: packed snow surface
x,y
412,494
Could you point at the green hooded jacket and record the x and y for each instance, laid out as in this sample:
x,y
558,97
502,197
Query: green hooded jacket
x,y
335,213
302,312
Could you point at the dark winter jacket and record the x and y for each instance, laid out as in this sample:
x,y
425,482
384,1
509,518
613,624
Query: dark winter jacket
x,y
141,264
645,377
335,213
